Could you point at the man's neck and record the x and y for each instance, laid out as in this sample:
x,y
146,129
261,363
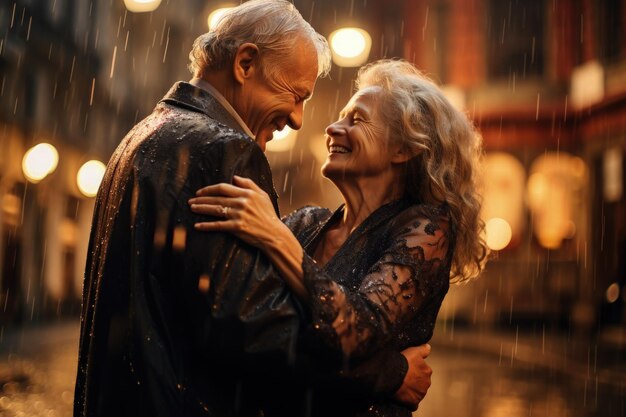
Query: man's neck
x,y
218,84
221,81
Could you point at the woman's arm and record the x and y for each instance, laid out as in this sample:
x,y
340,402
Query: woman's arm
x,y
356,321
404,376
248,214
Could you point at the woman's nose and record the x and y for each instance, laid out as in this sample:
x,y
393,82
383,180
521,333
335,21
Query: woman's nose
x,y
334,129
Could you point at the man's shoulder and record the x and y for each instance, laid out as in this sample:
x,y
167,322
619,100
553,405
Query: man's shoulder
x,y
200,129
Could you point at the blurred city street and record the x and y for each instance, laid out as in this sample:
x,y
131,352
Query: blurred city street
x,y
542,331
37,370
498,374
476,374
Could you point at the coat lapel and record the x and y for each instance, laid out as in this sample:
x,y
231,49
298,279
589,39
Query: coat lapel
x,y
183,94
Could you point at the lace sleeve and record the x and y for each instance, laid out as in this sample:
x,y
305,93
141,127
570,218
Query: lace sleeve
x,y
301,220
409,272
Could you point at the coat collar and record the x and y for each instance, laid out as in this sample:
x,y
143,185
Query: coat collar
x,y
183,94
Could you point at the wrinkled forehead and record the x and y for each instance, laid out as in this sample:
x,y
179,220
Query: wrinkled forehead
x,y
302,68
368,98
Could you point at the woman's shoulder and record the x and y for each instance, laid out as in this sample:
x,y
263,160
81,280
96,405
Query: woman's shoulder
x,y
429,216
306,216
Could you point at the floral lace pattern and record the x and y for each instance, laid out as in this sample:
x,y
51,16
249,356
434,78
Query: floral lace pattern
x,y
384,286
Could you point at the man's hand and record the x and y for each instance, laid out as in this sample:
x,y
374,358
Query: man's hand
x,y
417,379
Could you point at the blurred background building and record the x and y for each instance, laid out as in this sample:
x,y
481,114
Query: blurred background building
x,y
543,80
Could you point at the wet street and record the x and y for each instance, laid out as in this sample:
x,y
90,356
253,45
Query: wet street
x,y
37,370
485,385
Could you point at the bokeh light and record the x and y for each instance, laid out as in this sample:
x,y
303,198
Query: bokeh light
x,y
142,6
39,161
89,177
499,233
612,292
284,140
350,46
215,16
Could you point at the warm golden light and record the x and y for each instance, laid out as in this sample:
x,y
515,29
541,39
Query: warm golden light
x,y
503,191
538,189
141,6
554,192
282,134
612,292
39,161
89,177
348,42
499,233
350,46
215,16
283,140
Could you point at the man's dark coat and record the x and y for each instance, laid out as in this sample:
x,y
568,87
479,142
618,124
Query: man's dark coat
x,y
177,322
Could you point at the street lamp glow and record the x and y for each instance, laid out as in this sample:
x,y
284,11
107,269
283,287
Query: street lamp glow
x,y
142,6
283,140
215,16
39,161
282,134
499,233
350,46
89,177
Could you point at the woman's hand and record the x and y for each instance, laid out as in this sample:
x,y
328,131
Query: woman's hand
x,y
249,214
247,211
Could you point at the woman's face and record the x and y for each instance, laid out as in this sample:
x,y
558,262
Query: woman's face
x,y
358,143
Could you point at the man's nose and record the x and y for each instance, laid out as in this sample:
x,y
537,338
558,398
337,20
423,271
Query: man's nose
x,y
295,117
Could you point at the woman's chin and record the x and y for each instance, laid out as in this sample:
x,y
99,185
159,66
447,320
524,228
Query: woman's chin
x,y
333,171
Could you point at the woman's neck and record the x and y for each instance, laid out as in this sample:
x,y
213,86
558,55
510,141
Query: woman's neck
x,y
362,196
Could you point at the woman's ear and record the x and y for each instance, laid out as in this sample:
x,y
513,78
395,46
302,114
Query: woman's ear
x,y
246,62
401,155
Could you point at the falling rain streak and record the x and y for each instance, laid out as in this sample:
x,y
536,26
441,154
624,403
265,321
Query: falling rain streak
x,y
540,333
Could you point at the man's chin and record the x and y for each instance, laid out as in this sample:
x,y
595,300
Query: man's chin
x,y
262,140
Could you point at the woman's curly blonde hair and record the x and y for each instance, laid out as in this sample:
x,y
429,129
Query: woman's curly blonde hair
x,y
448,151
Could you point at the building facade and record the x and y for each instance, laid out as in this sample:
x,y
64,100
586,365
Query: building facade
x,y
76,75
544,81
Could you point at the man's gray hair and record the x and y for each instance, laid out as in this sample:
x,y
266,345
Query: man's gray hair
x,y
272,25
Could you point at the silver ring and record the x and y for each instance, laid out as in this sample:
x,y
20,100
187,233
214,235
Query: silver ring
x,y
225,211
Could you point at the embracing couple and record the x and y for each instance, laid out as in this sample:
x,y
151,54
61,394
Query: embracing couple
x,y
200,301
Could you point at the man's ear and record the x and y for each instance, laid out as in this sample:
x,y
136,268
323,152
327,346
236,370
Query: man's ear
x,y
246,62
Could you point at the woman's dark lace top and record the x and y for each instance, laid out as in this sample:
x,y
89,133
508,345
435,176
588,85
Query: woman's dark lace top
x,y
383,287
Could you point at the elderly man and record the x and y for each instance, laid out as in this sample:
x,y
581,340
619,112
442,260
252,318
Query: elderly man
x,y
181,323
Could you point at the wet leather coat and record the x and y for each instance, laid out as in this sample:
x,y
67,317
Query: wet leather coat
x,y
177,322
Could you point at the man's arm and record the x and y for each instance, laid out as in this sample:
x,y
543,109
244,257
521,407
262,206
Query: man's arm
x,y
253,311
416,381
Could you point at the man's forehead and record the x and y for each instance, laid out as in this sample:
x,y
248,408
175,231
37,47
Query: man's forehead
x,y
303,86
305,63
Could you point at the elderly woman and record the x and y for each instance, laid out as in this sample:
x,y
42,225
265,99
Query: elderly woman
x,y
375,271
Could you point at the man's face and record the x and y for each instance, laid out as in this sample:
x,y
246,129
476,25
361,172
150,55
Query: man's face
x,y
267,105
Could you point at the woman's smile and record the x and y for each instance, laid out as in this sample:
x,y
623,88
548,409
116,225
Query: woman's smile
x,y
334,149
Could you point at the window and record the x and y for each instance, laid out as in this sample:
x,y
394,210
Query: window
x,y
610,29
515,38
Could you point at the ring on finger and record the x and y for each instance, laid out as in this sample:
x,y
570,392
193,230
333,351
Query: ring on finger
x,y
225,211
